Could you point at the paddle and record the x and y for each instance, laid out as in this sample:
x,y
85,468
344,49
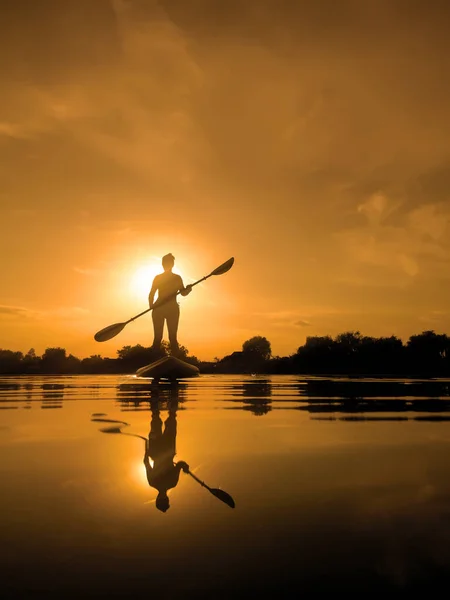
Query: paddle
x,y
117,429
220,494
112,330
215,491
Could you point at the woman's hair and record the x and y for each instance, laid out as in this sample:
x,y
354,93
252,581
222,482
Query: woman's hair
x,y
168,259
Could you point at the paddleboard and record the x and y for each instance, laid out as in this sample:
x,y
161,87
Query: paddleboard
x,y
168,367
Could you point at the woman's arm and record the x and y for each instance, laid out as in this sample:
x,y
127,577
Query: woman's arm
x,y
184,291
152,292
148,466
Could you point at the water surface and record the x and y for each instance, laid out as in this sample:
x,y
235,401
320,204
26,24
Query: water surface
x,y
339,485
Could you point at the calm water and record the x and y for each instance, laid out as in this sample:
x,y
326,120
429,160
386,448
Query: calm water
x,y
339,485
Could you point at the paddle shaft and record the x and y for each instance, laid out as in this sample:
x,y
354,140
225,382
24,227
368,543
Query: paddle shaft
x,y
218,493
165,300
202,483
112,330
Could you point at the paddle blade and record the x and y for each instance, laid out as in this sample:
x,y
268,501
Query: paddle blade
x,y
101,420
224,268
223,496
110,430
108,332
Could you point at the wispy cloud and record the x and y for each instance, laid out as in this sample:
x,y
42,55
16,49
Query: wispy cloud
x,y
63,312
302,314
289,318
68,312
85,271
13,130
393,251
435,318
302,323
17,311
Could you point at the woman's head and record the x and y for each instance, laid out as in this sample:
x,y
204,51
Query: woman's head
x,y
168,261
162,502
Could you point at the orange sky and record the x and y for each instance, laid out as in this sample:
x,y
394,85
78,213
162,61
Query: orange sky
x,y
309,140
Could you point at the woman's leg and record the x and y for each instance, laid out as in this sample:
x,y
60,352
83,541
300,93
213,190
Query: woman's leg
x,y
158,327
173,317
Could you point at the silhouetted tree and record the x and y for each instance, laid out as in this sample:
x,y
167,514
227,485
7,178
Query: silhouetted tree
x,y
280,365
381,355
233,363
350,352
253,358
430,343
317,355
426,354
258,346
347,346
131,358
30,362
350,340
54,360
10,362
321,343
73,365
429,351
93,364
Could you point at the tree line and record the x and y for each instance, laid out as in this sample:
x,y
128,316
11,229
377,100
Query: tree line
x,y
424,354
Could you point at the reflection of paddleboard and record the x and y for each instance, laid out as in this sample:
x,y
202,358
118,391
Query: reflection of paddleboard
x,y
168,367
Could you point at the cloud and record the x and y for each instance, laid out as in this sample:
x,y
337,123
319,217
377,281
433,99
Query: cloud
x,y
64,312
301,313
13,130
296,318
16,311
302,323
84,271
68,312
285,127
436,318
169,92
393,247
136,113
377,208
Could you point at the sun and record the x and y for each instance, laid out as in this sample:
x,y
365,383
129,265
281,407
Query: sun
x,y
141,280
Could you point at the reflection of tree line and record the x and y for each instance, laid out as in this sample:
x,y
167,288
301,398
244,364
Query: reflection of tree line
x,y
371,418
426,354
333,396
256,397
260,396
51,395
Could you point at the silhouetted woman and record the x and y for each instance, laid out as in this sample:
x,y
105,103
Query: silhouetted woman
x,y
161,448
166,307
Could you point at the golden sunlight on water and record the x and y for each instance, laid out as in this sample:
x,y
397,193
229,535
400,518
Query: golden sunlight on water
x,y
112,483
137,472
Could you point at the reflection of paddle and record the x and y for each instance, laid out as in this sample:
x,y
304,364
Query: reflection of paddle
x,y
117,429
215,491
224,496
112,330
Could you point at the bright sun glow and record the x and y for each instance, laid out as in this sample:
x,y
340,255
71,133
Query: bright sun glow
x,y
138,473
141,281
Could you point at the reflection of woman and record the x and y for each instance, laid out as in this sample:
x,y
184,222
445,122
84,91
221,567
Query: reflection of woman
x,y
161,448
